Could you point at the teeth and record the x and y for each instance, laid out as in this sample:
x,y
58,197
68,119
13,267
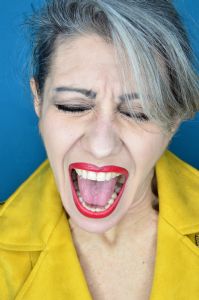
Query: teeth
x,y
99,209
108,176
92,209
79,172
91,175
100,176
121,179
84,174
114,196
110,201
117,189
81,199
84,204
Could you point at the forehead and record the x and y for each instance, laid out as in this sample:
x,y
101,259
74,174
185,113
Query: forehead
x,y
83,51
86,60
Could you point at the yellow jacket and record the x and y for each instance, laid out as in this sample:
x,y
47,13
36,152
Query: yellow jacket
x,y
38,259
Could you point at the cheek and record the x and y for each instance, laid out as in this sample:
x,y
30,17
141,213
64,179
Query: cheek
x,y
58,133
147,147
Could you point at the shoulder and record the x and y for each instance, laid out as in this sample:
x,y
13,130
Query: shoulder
x,y
171,168
33,210
178,190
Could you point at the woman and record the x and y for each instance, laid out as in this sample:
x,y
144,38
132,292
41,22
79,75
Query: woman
x,y
112,81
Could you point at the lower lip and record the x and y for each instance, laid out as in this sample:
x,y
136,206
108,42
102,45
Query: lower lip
x,y
91,214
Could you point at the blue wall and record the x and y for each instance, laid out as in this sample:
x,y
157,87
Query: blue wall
x,y
21,149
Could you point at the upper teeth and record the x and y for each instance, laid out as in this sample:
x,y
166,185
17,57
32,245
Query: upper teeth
x,y
101,176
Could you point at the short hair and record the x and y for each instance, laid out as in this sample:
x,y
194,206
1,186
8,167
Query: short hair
x,y
150,43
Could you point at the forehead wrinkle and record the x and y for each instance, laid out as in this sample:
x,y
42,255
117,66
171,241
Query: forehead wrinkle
x,y
104,80
107,84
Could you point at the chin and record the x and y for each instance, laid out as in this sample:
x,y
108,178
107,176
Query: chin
x,y
94,225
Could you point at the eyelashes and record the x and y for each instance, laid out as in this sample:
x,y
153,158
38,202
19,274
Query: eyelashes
x,y
139,116
76,109
73,109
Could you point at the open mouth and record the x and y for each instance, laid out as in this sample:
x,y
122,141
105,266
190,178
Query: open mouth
x,y
97,193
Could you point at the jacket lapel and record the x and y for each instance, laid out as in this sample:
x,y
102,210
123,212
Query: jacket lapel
x,y
57,273
176,274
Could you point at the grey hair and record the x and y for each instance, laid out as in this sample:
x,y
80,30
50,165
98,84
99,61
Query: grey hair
x,y
150,43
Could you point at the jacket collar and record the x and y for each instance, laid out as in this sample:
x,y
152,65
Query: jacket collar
x,y
178,189
29,216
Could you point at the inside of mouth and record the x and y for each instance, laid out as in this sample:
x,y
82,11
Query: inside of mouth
x,y
97,194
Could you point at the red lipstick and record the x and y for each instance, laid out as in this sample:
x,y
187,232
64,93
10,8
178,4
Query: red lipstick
x,y
94,168
90,167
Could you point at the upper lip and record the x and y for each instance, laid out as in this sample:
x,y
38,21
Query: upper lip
x,y
94,168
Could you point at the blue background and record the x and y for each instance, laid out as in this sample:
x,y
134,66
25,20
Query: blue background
x,y
21,149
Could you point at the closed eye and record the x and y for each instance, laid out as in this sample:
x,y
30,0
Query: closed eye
x,y
72,108
138,116
79,109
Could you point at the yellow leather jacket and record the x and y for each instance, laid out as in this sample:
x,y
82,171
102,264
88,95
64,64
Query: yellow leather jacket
x,y
38,259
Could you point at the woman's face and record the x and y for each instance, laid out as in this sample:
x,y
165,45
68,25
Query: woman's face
x,y
99,133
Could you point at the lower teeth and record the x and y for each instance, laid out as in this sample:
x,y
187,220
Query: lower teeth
x,y
98,209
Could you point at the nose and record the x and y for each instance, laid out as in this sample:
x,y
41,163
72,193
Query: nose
x,y
101,138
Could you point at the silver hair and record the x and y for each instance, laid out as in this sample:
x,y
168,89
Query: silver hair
x,y
150,43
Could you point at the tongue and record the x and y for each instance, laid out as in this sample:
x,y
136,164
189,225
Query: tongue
x,y
96,192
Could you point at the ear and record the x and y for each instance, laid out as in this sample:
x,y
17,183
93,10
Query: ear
x,y
36,98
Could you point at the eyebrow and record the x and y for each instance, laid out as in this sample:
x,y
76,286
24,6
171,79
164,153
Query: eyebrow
x,y
88,93
92,94
131,96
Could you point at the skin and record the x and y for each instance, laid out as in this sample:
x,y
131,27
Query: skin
x,y
101,136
